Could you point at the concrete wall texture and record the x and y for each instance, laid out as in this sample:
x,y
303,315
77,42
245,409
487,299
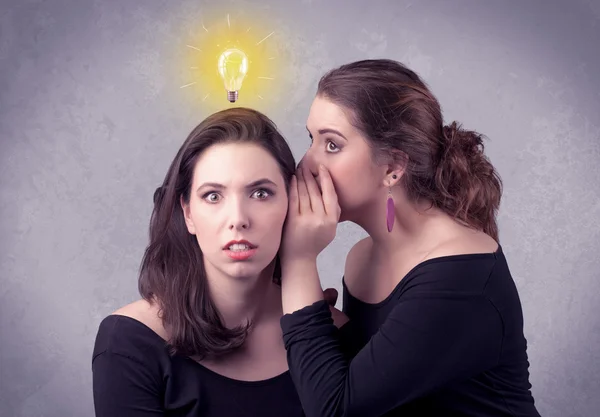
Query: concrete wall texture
x,y
91,114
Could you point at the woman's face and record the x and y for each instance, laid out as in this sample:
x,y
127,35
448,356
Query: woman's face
x,y
347,155
238,204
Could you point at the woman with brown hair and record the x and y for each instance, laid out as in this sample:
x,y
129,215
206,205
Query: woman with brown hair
x,y
433,308
205,339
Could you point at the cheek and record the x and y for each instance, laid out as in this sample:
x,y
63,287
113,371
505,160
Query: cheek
x,y
206,222
276,216
272,221
200,215
352,179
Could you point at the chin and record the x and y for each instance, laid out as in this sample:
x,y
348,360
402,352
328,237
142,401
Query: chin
x,y
354,211
346,216
343,217
244,270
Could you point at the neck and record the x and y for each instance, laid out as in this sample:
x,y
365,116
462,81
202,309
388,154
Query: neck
x,y
243,300
412,224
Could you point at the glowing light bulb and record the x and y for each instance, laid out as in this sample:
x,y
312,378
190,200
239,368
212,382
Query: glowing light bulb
x,y
233,67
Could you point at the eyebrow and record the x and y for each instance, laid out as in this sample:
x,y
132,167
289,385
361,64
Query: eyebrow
x,y
257,183
324,131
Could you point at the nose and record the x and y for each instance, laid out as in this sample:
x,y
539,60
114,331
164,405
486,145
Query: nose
x,y
238,216
311,161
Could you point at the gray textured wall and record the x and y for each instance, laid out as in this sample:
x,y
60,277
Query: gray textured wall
x,y
91,114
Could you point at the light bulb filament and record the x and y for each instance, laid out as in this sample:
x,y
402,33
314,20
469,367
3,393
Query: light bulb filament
x,y
233,67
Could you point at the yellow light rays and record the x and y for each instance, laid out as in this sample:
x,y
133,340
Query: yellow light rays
x,y
233,33
187,85
265,38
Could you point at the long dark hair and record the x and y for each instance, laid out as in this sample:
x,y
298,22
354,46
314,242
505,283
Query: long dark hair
x,y
396,111
172,272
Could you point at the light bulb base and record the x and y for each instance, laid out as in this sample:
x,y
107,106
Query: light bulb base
x,y
232,96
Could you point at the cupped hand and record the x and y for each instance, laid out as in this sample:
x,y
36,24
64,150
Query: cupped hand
x,y
312,217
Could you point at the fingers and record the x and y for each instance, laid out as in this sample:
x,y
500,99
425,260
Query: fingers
x,y
303,197
330,200
316,201
294,202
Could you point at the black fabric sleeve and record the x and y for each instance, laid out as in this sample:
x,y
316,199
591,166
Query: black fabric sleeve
x,y
426,342
126,368
124,387
347,339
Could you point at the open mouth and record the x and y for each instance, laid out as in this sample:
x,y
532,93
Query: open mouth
x,y
240,250
239,247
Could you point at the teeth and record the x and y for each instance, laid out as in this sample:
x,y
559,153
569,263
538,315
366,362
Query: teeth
x,y
239,247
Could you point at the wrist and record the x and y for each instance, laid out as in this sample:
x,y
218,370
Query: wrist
x,y
298,261
300,283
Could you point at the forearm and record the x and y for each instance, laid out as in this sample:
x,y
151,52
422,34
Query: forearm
x,y
300,284
420,347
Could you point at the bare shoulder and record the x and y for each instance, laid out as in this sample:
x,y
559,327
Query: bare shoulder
x,y
465,242
144,312
357,258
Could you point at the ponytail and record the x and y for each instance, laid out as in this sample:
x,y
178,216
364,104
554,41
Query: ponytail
x,y
469,188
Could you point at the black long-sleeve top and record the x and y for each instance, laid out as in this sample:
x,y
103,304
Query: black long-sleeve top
x,y
134,375
448,341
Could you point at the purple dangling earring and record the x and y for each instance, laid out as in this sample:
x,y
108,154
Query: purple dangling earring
x,y
390,214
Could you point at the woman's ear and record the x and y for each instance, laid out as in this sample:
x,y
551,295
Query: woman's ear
x,y
395,168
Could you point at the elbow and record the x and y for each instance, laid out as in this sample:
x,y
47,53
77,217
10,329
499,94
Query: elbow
x,y
333,405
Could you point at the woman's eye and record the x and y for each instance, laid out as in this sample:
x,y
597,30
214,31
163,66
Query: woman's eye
x,y
212,197
261,194
332,147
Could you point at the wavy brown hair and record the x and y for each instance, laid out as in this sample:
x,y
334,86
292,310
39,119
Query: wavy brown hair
x,y
398,114
172,271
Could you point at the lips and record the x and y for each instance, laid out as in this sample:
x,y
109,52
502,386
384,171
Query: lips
x,y
240,250
239,245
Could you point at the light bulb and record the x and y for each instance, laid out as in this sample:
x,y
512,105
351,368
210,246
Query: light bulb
x,y
233,67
